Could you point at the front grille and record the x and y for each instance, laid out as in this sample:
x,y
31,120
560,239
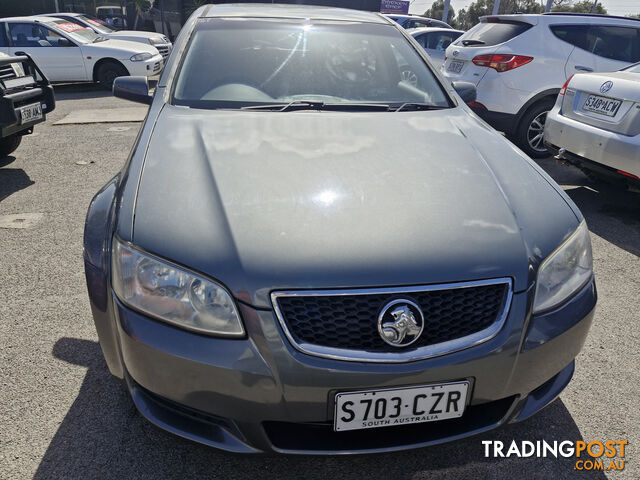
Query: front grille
x,y
164,50
349,321
157,66
7,72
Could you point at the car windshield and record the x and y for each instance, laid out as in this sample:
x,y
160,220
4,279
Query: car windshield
x,y
235,63
76,32
99,25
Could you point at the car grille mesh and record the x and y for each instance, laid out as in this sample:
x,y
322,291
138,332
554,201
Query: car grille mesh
x,y
163,50
350,321
7,72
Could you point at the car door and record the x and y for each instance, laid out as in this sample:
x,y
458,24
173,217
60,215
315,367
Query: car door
x,y
599,48
57,56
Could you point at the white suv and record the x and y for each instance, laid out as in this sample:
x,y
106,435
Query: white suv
x,y
519,63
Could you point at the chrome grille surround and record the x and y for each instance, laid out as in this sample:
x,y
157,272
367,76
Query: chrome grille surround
x,y
409,354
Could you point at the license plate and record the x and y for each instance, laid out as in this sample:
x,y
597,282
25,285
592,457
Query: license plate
x,y
400,406
455,66
602,105
30,113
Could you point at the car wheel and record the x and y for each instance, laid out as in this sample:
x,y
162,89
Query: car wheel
x,y
529,136
108,72
9,144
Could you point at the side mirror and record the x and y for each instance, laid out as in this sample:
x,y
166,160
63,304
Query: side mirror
x,y
64,42
466,90
135,89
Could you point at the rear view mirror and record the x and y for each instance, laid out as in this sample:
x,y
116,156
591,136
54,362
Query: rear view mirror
x,y
135,89
466,90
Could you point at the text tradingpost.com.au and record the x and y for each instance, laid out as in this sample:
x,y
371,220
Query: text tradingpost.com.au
x,y
594,455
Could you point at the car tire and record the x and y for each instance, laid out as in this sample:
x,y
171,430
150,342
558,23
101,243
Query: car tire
x,y
529,134
9,144
108,72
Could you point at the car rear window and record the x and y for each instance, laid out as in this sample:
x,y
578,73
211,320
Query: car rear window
x,y
486,34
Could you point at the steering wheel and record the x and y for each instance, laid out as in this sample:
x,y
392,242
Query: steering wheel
x,y
350,65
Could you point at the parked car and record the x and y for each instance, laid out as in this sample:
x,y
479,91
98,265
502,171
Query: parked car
x,y
317,256
114,15
416,21
595,125
25,99
100,27
68,52
520,62
435,41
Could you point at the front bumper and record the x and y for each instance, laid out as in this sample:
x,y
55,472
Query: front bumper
x,y
260,394
592,148
145,68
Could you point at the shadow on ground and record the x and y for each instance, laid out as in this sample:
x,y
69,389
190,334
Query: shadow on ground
x,y
4,161
76,91
102,436
12,180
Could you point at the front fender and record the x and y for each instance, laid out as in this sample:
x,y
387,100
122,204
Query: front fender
x,y
97,244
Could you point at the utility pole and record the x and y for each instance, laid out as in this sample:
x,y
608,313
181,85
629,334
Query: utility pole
x,y
445,11
57,8
549,5
593,9
496,7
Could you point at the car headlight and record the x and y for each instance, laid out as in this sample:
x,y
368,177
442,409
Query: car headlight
x,y
171,293
140,57
565,271
156,41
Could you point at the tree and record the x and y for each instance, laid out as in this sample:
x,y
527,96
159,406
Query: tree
x,y
467,18
582,6
436,10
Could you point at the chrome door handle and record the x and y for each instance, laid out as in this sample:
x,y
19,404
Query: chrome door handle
x,y
583,68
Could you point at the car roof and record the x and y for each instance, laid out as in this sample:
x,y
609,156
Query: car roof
x,y
265,10
402,15
32,18
562,17
64,14
418,30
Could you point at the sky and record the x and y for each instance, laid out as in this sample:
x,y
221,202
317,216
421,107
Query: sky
x,y
614,7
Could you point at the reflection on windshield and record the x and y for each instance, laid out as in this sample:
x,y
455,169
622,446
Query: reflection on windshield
x,y
77,32
232,63
97,24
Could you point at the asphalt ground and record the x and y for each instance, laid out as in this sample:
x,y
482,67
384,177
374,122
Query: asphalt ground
x,y
63,416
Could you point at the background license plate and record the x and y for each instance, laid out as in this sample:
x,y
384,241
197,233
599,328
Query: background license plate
x,y
455,66
383,408
602,105
30,113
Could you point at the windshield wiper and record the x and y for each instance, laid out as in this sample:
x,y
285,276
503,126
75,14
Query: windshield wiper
x,y
98,39
283,107
466,43
318,105
417,106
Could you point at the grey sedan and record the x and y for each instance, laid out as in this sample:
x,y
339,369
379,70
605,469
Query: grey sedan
x,y
306,253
